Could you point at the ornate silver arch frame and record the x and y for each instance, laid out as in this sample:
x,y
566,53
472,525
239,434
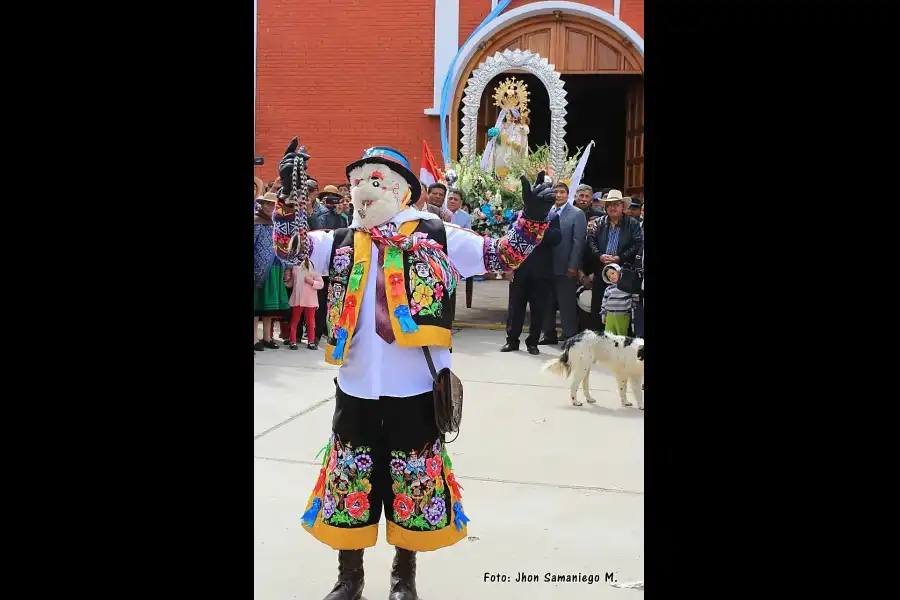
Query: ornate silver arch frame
x,y
534,64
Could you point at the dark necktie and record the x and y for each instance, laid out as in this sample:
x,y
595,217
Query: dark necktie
x,y
382,318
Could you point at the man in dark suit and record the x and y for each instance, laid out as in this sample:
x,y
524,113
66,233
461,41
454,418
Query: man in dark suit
x,y
567,257
532,282
616,240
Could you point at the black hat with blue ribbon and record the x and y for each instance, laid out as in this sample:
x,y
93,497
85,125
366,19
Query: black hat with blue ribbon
x,y
395,160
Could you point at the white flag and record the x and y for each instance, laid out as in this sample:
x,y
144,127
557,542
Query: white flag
x,y
579,170
489,148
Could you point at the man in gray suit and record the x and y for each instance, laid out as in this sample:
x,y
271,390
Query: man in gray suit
x,y
567,259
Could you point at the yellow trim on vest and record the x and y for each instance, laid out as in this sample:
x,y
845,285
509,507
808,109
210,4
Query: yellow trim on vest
x,y
329,350
427,335
409,227
362,253
341,538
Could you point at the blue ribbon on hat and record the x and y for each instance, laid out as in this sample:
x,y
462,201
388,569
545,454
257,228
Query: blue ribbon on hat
x,y
387,153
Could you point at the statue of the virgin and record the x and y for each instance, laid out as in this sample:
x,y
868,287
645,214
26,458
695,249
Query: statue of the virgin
x,y
509,137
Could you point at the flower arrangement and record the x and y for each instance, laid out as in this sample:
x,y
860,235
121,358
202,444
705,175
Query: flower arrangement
x,y
539,160
496,202
491,210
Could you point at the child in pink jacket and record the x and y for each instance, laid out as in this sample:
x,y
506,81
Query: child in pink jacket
x,y
304,299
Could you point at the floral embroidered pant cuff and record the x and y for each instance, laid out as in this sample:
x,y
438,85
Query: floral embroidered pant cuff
x,y
386,454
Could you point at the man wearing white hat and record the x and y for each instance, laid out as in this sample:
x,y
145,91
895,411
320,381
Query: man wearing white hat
x,y
617,239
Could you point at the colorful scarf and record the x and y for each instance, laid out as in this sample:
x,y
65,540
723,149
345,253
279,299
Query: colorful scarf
x,y
428,251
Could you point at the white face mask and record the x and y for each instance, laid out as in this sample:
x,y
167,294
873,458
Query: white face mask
x,y
378,194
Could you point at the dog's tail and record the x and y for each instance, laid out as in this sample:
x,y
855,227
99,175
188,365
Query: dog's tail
x,y
559,366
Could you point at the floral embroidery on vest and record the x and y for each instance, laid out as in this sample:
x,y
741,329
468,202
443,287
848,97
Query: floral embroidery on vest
x,y
341,261
340,269
347,485
426,292
335,306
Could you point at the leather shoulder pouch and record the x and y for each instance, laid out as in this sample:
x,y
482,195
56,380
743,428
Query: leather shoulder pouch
x,y
448,398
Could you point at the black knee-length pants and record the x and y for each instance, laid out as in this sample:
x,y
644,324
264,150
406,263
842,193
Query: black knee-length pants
x,y
386,455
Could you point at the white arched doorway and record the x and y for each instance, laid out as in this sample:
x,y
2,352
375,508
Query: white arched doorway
x,y
591,50
531,63
534,9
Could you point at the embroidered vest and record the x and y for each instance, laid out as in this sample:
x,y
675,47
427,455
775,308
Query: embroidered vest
x,y
408,283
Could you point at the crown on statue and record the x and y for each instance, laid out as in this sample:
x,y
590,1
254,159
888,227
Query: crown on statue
x,y
512,93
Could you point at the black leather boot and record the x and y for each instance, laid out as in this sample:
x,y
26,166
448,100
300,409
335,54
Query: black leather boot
x,y
350,581
403,576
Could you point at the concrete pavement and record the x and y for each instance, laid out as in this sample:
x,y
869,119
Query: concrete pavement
x,y
490,299
549,487
490,304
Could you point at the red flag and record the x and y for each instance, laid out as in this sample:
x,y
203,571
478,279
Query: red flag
x,y
429,173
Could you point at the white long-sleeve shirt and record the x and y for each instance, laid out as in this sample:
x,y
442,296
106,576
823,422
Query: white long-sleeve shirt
x,y
373,368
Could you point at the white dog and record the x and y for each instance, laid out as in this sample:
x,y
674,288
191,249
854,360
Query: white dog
x,y
624,356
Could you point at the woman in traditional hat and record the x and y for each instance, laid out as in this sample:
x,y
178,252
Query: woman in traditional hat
x,y
270,297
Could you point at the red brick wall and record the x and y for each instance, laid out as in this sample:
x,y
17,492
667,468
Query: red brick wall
x,y
344,75
606,5
471,14
632,13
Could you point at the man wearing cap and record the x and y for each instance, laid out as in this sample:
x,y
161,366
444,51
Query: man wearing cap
x,y
346,206
597,201
634,209
389,330
316,208
616,240
330,197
